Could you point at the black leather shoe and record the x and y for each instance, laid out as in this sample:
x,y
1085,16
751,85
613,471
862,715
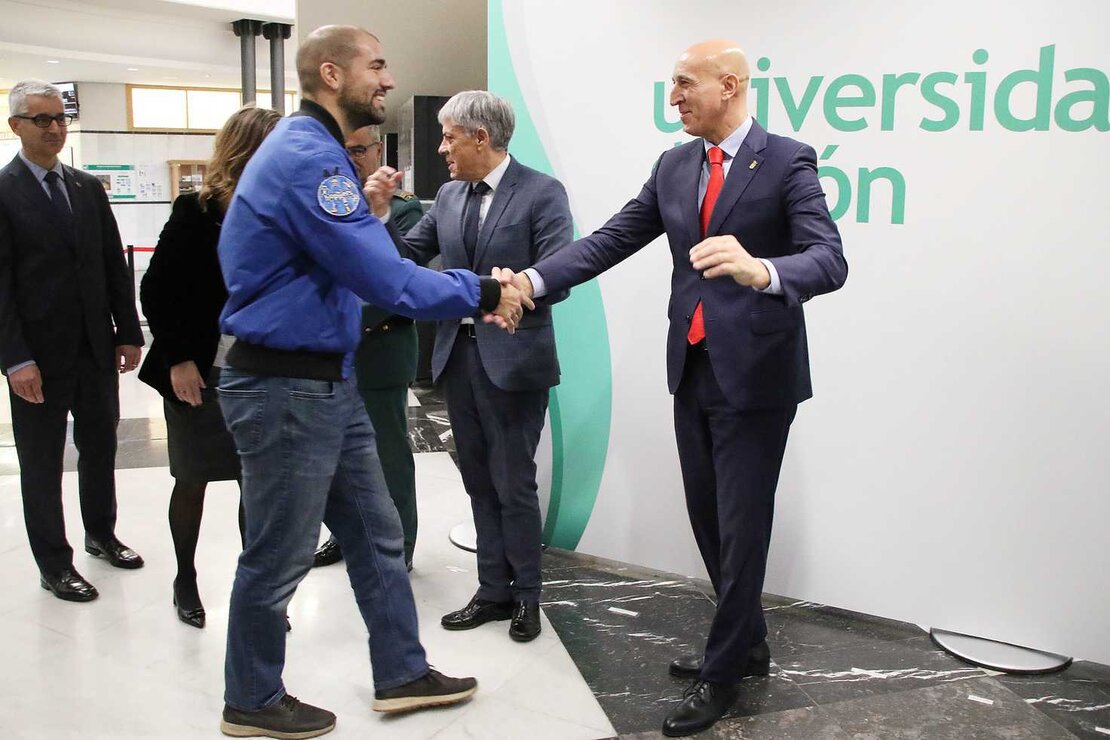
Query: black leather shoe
x,y
288,718
115,552
702,705
526,621
190,610
328,554
68,585
477,613
759,663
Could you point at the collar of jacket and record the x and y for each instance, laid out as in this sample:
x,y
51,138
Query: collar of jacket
x,y
320,113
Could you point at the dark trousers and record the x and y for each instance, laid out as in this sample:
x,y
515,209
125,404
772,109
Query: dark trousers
x,y
730,468
496,434
91,393
388,411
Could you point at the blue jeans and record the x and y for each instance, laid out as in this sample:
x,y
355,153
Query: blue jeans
x,y
308,456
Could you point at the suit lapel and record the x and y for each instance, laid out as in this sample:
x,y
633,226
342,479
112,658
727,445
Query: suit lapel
x,y
501,198
741,172
457,214
29,187
689,170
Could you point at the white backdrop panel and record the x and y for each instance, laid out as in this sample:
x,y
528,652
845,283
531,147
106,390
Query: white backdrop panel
x,y
950,469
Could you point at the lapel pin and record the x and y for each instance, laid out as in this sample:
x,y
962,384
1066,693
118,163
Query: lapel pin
x,y
753,165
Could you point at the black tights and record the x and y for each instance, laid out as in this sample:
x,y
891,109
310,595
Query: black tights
x,y
186,509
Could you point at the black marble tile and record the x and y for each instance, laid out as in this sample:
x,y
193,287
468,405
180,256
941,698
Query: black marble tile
x,y
977,708
1077,698
874,668
428,393
807,723
800,627
622,631
424,436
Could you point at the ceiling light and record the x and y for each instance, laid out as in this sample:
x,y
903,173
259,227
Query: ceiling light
x,y
132,69
52,61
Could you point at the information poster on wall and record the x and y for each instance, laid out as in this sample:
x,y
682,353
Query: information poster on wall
x,y
118,179
123,182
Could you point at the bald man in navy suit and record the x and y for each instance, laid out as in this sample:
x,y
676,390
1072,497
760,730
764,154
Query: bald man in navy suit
x,y
752,240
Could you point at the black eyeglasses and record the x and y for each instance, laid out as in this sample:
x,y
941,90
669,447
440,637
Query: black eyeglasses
x,y
359,150
43,120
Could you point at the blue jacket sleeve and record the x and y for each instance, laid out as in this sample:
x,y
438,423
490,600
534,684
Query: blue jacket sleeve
x,y
357,252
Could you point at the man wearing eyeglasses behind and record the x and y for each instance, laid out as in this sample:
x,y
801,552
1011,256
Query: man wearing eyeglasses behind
x,y
385,366
68,328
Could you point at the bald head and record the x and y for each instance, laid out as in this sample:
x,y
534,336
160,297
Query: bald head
x,y
711,88
336,44
720,56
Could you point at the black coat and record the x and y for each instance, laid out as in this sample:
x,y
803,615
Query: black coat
x,y
61,284
183,293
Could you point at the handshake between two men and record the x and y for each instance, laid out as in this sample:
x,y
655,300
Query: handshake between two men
x,y
714,257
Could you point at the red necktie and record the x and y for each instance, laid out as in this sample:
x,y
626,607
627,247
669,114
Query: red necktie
x,y
716,182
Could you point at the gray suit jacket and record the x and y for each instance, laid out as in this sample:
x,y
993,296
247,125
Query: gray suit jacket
x,y
529,218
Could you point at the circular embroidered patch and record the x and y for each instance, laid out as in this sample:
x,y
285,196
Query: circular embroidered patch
x,y
338,195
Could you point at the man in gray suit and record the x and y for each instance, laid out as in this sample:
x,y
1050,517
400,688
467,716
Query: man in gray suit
x,y
495,213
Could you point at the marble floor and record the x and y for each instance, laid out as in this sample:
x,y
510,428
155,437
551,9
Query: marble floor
x,y
124,667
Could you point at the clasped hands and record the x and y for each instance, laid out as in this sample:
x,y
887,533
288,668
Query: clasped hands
x,y
516,296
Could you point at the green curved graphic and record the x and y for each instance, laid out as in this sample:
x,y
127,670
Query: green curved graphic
x,y
581,405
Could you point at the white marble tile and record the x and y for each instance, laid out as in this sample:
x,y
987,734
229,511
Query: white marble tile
x,y
128,669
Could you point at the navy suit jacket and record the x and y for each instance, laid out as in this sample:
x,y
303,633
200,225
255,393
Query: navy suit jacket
x,y
773,204
60,287
528,219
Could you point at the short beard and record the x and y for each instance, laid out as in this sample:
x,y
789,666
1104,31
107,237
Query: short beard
x,y
359,114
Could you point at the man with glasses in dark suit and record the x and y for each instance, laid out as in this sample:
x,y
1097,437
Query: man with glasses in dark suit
x,y
68,328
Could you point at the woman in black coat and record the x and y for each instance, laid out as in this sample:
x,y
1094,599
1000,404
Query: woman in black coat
x,y
182,295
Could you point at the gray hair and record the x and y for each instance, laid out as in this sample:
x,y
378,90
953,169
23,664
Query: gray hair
x,y
475,109
17,98
375,132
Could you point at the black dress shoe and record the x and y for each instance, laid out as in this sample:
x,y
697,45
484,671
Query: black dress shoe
x,y
526,621
68,585
328,553
115,552
287,718
758,664
190,610
477,613
702,705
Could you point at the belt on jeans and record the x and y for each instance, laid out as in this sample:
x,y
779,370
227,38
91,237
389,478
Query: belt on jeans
x,y
468,330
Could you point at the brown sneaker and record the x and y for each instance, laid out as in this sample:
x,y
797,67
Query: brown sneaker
x,y
288,719
433,689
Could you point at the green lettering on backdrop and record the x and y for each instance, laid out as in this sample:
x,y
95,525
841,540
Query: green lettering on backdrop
x,y
762,93
1098,96
835,99
949,106
1041,78
978,82
897,194
797,112
891,83
661,105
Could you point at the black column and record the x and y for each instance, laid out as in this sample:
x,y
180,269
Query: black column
x,y
276,33
247,30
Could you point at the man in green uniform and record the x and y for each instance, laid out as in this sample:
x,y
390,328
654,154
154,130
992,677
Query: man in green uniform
x,y
385,366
